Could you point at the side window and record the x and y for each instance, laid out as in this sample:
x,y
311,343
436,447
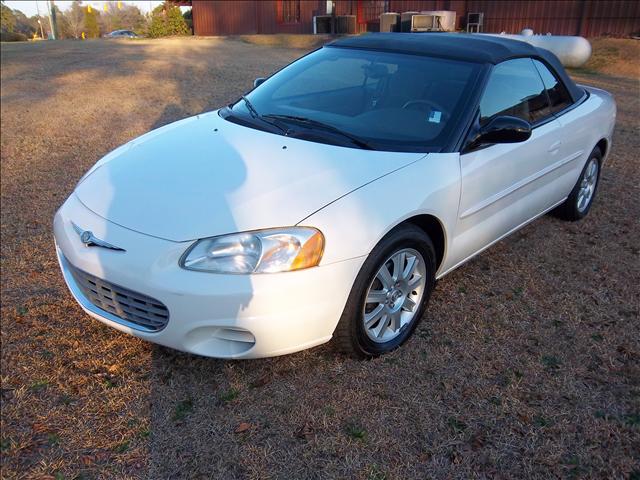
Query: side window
x,y
515,89
558,94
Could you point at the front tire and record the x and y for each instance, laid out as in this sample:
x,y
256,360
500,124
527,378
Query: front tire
x,y
579,201
389,295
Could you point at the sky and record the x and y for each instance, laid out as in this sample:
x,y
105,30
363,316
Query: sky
x,y
30,8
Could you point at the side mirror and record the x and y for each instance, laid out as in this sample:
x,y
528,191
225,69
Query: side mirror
x,y
258,81
503,129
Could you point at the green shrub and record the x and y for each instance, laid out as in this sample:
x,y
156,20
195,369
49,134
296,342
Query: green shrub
x,y
166,20
13,37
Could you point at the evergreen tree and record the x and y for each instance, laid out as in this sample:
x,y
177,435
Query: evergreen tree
x,y
167,20
8,21
91,28
176,23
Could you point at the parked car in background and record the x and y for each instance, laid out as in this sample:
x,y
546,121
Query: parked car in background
x,y
327,201
121,34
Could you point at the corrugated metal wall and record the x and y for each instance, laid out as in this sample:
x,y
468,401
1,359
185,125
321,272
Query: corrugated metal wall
x,y
561,17
242,17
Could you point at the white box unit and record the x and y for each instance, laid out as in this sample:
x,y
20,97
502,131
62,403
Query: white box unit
x,y
436,20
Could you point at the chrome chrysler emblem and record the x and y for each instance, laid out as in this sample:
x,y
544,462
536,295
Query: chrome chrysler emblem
x,y
90,240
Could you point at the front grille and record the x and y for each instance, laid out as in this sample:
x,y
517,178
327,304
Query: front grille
x,y
133,307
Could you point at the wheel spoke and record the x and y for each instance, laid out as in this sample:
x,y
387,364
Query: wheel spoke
x,y
385,277
398,265
412,262
414,282
384,324
408,305
396,320
375,314
376,296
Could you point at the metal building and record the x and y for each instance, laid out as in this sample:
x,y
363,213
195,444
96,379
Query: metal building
x,y
589,18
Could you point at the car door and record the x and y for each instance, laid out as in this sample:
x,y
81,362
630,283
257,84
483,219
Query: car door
x,y
576,133
506,185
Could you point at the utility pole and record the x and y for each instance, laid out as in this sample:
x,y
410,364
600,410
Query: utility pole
x,y
39,21
52,19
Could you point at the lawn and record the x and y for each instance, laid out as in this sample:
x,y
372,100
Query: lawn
x,y
526,365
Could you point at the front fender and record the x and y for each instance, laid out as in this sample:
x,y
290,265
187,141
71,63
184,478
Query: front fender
x,y
355,223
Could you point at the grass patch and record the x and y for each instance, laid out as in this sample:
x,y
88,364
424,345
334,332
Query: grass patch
x,y
355,431
109,383
5,444
307,42
458,426
182,409
329,410
632,419
541,422
551,362
39,385
228,395
122,447
375,473
612,56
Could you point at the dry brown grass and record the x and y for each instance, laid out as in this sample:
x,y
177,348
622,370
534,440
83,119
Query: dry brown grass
x,y
614,56
307,42
526,366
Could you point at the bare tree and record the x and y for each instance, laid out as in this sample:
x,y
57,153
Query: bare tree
x,y
74,17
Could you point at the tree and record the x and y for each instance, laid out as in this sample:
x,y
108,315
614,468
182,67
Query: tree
x,y
8,19
44,23
24,25
176,23
91,27
188,18
74,20
121,17
131,18
167,20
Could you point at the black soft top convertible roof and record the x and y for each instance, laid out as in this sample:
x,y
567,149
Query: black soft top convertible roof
x,y
459,46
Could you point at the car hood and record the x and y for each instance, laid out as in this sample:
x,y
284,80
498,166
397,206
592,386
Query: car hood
x,y
205,176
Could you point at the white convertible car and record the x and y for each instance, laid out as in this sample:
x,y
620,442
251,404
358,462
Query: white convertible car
x,y
327,201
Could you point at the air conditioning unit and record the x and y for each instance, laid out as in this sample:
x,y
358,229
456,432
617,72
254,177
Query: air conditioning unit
x,y
346,24
434,20
390,22
322,24
425,23
405,20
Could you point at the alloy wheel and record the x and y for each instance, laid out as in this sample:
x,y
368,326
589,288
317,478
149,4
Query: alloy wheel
x,y
394,295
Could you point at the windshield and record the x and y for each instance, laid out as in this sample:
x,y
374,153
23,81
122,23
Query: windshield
x,y
379,100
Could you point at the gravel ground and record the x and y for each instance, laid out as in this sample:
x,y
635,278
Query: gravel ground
x,y
526,365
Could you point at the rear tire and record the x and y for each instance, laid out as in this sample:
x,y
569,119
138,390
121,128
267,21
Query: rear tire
x,y
389,295
579,201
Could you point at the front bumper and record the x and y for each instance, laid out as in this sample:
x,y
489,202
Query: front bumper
x,y
224,316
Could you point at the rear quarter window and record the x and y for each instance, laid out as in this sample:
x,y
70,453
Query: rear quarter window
x,y
558,95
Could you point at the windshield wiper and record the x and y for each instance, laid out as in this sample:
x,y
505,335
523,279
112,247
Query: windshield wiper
x,y
315,123
254,113
252,110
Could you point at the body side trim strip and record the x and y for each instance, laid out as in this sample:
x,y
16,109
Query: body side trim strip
x,y
518,185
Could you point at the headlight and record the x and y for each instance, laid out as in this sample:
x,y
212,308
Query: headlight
x,y
262,251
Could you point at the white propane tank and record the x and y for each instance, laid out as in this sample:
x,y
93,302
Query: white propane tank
x,y
571,51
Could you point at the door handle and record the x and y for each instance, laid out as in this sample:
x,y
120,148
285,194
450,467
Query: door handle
x,y
554,147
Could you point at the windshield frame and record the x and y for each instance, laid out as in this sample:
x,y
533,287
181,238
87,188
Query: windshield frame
x,y
455,127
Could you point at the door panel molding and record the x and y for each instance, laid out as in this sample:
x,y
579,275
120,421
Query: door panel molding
x,y
518,185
